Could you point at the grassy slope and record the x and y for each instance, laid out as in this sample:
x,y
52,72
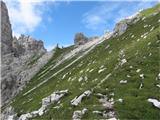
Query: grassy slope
x,y
135,105
149,11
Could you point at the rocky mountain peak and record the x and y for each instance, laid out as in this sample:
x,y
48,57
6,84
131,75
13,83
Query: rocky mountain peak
x,y
80,39
27,44
21,58
6,31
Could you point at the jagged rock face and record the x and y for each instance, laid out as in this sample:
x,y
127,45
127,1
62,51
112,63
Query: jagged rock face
x,y
120,28
27,45
6,32
17,48
30,44
16,56
7,81
80,39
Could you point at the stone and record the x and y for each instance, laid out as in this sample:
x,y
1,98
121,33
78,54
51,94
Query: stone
x,y
141,76
109,114
123,81
120,28
53,98
138,70
123,61
159,76
155,102
77,100
80,39
25,116
97,112
107,105
78,114
120,100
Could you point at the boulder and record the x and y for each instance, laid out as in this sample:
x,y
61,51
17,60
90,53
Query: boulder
x,y
78,114
80,39
122,26
53,98
155,102
77,100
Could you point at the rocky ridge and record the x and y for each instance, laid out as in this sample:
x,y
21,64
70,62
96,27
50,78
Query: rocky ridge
x,y
21,58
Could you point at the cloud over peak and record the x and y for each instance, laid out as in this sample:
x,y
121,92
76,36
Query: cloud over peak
x,y
25,16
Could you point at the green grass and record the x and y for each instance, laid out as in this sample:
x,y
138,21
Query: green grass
x,y
135,105
149,11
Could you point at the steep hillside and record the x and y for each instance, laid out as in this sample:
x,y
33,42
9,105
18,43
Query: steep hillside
x,y
114,75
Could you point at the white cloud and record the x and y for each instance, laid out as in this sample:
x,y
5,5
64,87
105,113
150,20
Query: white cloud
x,y
105,14
98,17
25,15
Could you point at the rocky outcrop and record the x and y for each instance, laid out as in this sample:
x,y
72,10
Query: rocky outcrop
x,y
54,98
77,100
6,32
18,54
80,39
27,45
78,114
122,26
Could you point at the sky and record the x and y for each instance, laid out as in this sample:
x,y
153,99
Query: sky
x,y
57,21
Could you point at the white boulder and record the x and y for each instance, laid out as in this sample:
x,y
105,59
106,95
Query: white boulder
x,y
158,85
25,116
159,76
142,76
120,100
123,61
53,98
78,114
78,100
155,102
138,70
123,81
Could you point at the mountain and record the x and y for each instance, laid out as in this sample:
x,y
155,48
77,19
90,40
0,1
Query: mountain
x,y
21,59
115,76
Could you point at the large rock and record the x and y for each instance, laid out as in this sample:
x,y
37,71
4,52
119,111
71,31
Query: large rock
x,y
77,100
122,26
80,39
7,82
78,114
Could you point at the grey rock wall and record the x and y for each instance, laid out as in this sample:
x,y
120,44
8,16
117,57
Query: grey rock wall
x,y
80,39
16,56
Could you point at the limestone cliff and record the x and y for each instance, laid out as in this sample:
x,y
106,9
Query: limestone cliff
x,y
21,58
80,39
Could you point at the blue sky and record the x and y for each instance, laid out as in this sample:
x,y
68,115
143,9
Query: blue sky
x,y
58,21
